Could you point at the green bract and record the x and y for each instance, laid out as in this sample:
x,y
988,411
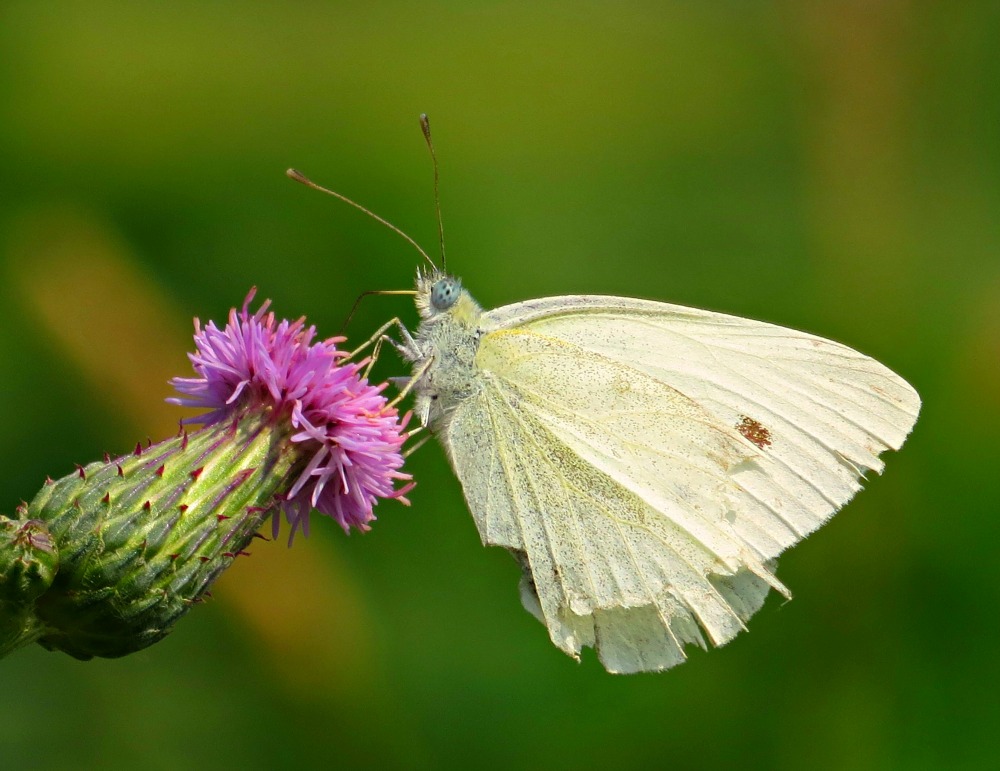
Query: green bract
x,y
140,538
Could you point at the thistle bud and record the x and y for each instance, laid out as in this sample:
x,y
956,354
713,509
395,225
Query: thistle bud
x,y
28,563
104,561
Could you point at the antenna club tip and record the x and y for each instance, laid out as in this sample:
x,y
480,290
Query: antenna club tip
x,y
295,174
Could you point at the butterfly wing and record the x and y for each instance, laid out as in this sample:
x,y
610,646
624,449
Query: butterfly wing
x,y
821,413
647,462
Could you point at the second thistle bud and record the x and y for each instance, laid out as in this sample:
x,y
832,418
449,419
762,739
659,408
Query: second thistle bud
x,y
29,560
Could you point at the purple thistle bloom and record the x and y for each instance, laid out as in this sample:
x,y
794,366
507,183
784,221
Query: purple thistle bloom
x,y
105,560
349,438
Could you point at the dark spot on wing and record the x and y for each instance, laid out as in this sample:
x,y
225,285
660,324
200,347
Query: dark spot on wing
x,y
755,432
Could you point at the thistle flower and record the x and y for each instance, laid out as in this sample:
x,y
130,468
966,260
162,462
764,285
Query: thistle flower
x,y
342,424
104,561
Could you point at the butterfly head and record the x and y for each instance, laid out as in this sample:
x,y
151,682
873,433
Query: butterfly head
x,y
439,294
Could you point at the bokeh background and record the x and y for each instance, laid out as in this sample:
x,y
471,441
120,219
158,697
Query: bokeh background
x,y
827,166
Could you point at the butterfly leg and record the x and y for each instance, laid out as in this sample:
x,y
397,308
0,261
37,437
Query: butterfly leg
x,y
420,443
407,349
411,381
401,349
408,344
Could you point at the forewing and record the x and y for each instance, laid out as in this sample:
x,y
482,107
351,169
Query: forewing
x,y
820,413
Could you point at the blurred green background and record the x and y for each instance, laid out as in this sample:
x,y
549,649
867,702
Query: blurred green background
x,y
827,166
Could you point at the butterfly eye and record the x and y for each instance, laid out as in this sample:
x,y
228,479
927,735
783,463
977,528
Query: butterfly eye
x,y
444,293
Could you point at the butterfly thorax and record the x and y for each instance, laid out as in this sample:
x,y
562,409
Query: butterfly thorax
x,y
446,344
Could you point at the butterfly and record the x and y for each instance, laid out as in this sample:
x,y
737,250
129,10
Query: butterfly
x,y
645,463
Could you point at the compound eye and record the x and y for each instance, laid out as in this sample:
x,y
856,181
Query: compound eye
x,y
444,293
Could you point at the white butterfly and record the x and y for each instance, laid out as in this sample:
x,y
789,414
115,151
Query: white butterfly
x,y
645,463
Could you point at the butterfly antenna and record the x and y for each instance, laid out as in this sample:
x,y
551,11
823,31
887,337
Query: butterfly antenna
x,y
369,293
298,176
425,126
